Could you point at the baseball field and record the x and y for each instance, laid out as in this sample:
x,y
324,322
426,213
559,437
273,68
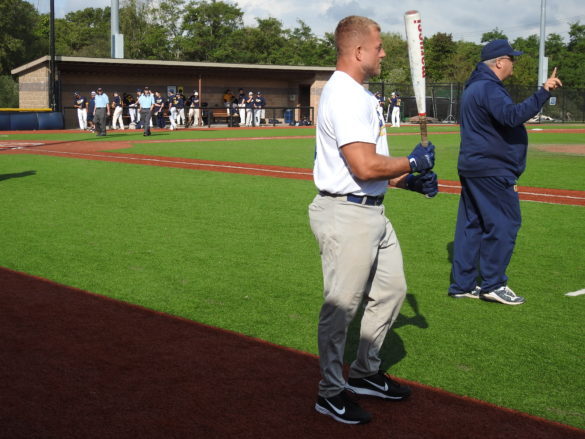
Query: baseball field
x,y
172,284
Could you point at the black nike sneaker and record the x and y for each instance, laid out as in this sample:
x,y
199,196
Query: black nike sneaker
x,y
380,385
343,409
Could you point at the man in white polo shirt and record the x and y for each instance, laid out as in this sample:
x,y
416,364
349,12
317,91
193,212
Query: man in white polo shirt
x,y
360,253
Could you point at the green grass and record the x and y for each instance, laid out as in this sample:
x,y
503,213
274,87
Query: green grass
x,y
204,133
296,153
544,169
236,251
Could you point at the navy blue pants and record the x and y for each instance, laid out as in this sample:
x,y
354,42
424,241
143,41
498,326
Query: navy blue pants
x,y
487,225
160,119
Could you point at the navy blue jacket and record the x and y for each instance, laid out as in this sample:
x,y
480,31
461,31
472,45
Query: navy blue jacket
x,y
493,138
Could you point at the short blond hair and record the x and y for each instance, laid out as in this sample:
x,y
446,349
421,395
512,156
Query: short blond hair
x,y
351,30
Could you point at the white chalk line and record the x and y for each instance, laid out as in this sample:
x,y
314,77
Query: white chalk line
x,y
211,165
249,168
553,195
525,193
13,145
576,293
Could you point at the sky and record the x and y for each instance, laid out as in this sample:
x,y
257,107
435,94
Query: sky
x,y
466,20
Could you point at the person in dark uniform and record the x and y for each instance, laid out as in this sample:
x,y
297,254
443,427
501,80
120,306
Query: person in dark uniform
x,y
137,109
118,107
259,104
159,109
194,109
90,112
250,109
80,104
492,156
180,109
172,101
242,106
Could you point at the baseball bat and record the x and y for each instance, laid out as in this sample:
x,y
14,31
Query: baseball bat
x,y
416,56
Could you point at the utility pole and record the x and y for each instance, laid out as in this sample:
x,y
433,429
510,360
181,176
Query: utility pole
x,y
542,60
52,56
117,39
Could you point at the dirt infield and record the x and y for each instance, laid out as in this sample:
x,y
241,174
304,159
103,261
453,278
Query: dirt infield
x,y
85,366
98,151
563,149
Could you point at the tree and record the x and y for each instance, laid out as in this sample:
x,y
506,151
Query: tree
x,y
19,42
572,64
526,65
143,39
304,48
395,66
165,28
464,60
495,34
8,92
84,33
439,52
208,29
263,44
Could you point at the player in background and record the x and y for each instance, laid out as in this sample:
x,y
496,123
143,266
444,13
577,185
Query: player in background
x,y
80,104
118,106
172,100
159,109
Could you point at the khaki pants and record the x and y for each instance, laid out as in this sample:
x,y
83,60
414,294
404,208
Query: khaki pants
x,y
362,261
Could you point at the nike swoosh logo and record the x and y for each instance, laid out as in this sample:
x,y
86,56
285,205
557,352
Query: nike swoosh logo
x,y
340,411
377,386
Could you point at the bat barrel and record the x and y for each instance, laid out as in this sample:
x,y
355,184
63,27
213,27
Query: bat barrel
x,y
416,56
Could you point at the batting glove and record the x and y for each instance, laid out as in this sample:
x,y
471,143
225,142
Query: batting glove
x,y
425,183
422,158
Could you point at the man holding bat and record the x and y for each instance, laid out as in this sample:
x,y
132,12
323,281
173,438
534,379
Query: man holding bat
x,y
360,254
492,157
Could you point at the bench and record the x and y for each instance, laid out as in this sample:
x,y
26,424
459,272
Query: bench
x,y
223,114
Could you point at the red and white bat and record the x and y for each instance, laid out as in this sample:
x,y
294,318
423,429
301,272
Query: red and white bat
x,y
416,56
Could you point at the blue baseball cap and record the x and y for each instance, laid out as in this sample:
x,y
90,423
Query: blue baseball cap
x,y
497,48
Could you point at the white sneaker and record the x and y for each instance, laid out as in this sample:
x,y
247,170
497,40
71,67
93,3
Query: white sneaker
x,y
503,295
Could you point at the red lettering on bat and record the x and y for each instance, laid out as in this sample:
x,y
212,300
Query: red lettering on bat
x,y
422,49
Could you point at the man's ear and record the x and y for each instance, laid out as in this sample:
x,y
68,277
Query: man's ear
x,y
358,53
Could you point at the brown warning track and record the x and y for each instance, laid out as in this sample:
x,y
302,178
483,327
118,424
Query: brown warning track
x,y
96,151
75,364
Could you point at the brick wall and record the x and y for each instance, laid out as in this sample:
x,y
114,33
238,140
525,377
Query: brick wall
x,y
33,88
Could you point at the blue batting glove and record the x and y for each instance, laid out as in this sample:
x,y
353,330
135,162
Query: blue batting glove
x,y
421,158
426,183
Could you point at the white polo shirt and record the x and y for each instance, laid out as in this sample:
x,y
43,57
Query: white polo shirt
x,y
347,113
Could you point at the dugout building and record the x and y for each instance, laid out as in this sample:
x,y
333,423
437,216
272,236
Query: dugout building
x,y
291,92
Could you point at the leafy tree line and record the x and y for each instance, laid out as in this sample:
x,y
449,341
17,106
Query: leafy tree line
x,y
214,31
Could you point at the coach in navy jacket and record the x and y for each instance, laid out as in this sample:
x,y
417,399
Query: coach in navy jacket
x,y
492,156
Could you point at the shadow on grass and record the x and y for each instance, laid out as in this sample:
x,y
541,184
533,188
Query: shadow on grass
x,y
17,175
393,349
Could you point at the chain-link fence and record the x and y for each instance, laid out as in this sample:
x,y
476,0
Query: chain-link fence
x,y
565,105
